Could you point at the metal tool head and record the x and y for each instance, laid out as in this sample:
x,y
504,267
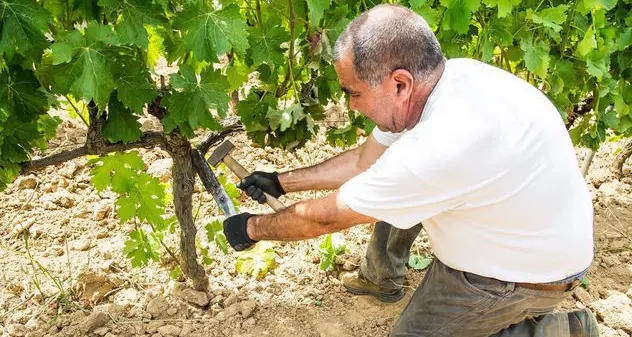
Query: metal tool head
x,y
220,152
212,185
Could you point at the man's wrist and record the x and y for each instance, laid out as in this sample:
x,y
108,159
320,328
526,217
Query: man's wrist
x,y
250,223
284,181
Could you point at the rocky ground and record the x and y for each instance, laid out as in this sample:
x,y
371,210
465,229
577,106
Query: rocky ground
x,y
63,272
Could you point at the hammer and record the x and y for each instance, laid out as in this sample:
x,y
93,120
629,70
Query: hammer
x,y
222,154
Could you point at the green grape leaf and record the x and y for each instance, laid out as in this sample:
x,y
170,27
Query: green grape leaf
x,y
90,73
141,249
625,39
116,170
237,74
597,65
587,44
536,57
266,47
253,110
126,209
332,245
598,4
316,10
257,261
149,194
215,233
135,90
504,6
191,102
283,119
552,17
417,262
121,124
209,33
458,14
23,24
431,15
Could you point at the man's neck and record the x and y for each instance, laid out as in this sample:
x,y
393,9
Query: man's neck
x,y
420,97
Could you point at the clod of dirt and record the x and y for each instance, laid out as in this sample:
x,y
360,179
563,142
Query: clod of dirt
x,y
92,287
228,312
198,298
615,311
61,198
102,210
68,170
96,319
606,331
232,299
82,245
16,330
583,296
169,330
157,307
27,183
247,308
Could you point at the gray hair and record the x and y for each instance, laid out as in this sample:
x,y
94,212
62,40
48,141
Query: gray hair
x,y
386,38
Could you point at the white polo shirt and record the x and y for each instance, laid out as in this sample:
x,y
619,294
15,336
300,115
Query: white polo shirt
x,y
491,172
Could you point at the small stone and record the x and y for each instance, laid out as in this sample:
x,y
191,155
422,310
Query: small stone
x,y
216,309
58,250
249,323
382,321
582,295
340,260
68,171
63,199
228,312
610,260
27,183
95,320
232,299
618,246
101,331
101,211
82,245
192,296
247,308
16,330
102,234
172,311
348,266
157,306
169,330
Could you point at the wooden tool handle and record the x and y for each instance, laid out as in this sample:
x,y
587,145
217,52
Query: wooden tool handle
x,y
242,173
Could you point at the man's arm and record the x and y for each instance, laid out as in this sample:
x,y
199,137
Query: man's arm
x,y
332,173
307,219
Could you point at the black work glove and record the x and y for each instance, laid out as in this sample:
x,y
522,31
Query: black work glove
x,y
258,182
235,231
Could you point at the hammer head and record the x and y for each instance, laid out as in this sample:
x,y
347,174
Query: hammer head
x,y
220,152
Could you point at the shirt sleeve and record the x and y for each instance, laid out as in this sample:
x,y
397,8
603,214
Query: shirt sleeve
x,y
406,186
385,138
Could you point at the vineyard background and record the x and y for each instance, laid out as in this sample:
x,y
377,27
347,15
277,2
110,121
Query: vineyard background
x,y
95,243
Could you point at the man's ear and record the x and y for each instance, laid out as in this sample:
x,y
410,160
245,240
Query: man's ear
x,y
404,82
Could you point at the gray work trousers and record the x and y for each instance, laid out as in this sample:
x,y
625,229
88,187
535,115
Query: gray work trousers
x,y
453,303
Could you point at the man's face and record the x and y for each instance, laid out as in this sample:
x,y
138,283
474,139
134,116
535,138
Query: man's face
x,y
380,104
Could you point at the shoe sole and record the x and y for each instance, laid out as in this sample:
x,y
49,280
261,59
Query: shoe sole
x,y
386,298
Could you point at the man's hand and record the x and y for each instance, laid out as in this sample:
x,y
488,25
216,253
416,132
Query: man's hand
x,y
258,182
235,231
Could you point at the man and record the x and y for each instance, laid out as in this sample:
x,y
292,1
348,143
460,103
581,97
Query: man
x,y
477,154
